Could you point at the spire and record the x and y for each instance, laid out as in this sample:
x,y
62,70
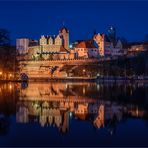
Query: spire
x,y
63,27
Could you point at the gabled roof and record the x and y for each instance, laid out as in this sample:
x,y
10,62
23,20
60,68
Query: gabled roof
x,y
58,36
118,44
100,34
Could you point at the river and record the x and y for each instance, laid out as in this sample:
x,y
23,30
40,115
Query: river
x,y
73,114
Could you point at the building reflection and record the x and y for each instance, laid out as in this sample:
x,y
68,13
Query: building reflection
x,y
55,104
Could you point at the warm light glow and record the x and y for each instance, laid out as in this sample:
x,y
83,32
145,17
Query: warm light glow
x,y
83,70
10,74
1,72
83,90
10,86
137,112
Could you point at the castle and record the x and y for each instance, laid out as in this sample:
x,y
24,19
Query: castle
x,y
49,56
47,48
57,47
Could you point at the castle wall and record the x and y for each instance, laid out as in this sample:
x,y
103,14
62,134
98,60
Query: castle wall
x,y
43,69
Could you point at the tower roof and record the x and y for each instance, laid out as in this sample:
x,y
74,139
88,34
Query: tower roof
x,y
63,28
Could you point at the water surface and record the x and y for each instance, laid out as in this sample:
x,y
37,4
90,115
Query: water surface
x,y
73,114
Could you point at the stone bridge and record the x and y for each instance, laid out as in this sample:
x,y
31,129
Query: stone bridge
x,y
51,68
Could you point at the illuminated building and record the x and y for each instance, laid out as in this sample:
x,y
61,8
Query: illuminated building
x,y
86,49
49,106
64,33
22,115
100,40
106,47
22,45
48,47
99,120
137,47
51,57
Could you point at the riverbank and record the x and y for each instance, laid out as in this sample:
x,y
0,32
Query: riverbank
x,y
7,81
65,79
55,79
109,79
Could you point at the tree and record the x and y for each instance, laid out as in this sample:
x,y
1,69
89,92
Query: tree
x,y
7,55
4,37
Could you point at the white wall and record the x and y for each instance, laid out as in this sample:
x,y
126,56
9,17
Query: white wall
x,y
82,52
22,45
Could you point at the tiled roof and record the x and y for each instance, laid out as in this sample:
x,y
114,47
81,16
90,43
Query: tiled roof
x,y
85,44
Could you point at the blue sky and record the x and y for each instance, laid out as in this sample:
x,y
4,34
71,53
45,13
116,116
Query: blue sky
x,y
34,18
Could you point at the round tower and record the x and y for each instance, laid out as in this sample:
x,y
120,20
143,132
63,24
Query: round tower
x,y
64,33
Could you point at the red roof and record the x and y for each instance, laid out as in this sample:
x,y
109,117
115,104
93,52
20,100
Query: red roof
x,y
85,44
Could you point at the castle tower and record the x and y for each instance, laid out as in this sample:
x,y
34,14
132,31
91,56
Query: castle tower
x,y
64,33
100,40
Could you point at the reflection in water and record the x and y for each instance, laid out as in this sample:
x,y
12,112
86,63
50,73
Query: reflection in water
x,y
7,105
54,104
4,125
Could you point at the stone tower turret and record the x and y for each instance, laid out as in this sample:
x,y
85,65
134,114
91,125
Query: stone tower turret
x,y
64,33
